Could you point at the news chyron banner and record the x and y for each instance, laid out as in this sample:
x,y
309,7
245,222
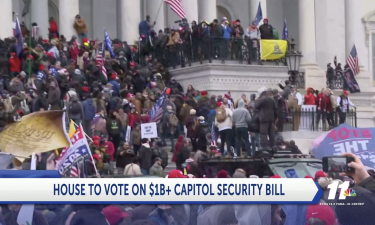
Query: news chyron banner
x,y
158,191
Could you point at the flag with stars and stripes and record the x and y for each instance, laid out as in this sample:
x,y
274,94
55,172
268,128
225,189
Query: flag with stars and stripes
x,y
69,157
156,111
100,61
352,61
177,7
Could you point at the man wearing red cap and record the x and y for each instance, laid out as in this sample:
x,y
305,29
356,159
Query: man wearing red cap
x,y
266,30
320,213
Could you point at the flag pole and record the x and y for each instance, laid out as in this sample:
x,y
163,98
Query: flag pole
x,y
157,14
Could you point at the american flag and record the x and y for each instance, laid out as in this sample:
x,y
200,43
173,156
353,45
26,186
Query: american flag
x,y
352,61
74,172
157,110
176,7
213,135
100,61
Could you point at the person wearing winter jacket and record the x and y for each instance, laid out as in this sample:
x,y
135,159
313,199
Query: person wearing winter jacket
x,y
252,35
15,65
177,148
114,128
201,130
125,156
156,169
225,129
145,156
266,30
75,110
310,98
88,113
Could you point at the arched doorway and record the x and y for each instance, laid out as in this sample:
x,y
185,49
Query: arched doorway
x,y
223,12
53,10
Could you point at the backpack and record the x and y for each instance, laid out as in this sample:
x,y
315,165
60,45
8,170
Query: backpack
x,y
74,108
292,101
221,114
173,120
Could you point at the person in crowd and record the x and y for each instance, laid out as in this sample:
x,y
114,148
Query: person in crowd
x,y
332,121
240,118
124,157
157,169
343,103
323,106
160,152
80,27
183,155
133,169
145,156
268,115
252,35
135,138
169,125
223,120
237,42
295,102
75,110
310,98
266,30
190,125
281,109
114,129
88,113
201,130
177,148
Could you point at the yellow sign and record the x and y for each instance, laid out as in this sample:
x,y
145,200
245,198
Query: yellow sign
x,y
273,49
34,133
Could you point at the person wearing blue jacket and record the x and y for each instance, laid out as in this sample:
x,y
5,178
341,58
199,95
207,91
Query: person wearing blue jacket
x,y
89,112
227,31
115,86
145,28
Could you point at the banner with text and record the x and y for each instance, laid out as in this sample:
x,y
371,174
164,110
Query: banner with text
x,y
345,138
34,133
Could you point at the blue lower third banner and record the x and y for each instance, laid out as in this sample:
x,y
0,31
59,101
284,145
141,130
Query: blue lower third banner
x,y
158,191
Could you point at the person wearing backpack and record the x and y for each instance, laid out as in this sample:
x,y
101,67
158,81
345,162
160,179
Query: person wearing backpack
x,y
223,121
75,110
169,125
88,113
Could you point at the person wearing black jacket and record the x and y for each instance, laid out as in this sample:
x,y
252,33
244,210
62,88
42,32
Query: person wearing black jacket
x,y
266,30
216,37
237,33
267,117
194,40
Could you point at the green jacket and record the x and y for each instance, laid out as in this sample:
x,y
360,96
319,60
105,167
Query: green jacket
x,y
156,170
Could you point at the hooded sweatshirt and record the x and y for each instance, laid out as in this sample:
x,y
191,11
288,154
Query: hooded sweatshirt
x,y
241,117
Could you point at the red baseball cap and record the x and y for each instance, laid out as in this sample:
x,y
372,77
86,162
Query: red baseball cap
x,y
114,214
176,174
275,176
322,212
307,176
319,174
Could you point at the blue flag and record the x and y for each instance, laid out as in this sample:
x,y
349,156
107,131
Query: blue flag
x,y
18,36
344,138
108,44
157,110
285,31
259,16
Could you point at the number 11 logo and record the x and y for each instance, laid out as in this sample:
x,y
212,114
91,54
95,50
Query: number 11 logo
x,y
345,191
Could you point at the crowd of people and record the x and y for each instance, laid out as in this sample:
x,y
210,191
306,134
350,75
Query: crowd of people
x,y
350,211
57,74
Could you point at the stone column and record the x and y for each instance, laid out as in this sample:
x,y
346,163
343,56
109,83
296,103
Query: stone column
x,y
207,10
355,32
68,9
130,17
307,41
191,9
39,15
6,29
153,7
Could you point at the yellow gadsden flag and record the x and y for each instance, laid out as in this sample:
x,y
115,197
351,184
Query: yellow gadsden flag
x,y
72,129
273,49
34,133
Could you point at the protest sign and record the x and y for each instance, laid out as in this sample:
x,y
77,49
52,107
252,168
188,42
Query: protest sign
x,y
34,133
345,138
149,130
